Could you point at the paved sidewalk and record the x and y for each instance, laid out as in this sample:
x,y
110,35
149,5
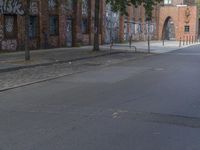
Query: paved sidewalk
x,y
15,60
155,46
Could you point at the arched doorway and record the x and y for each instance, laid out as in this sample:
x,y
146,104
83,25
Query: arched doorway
x,y
169,30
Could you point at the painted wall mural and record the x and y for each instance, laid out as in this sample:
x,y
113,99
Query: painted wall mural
x,y
11,7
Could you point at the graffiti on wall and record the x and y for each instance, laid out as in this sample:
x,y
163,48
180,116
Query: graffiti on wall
x,y
11,7
111,21
85,8
34,7
9,24
67,7
9,45
52,4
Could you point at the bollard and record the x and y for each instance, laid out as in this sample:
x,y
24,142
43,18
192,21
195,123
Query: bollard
x,y
189,39
180,42
192,39
183,40
186,40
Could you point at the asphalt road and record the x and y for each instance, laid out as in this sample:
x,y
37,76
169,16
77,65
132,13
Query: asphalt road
x,y
147,104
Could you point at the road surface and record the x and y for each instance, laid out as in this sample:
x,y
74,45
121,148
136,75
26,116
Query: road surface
x,y
147,104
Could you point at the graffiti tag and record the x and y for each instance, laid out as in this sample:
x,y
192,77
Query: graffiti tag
x,y
11,7
9,45
34,7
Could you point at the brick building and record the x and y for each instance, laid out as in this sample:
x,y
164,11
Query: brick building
x,y
178,19
67,23
52,23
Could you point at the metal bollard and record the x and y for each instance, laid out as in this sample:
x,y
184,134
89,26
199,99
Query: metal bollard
x,y
192,39
189,40
180,42
183,40
186,40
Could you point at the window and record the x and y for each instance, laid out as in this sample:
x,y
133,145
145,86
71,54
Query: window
x,y
10,26
167,1
53,24
84,25
33,26
187,28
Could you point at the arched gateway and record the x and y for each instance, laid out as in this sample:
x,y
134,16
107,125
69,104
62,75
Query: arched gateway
x,y
168,32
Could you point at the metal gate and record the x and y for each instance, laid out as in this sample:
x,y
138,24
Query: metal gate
x,y
69,32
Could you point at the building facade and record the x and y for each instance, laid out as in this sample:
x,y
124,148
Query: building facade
x,y
179,20
69,23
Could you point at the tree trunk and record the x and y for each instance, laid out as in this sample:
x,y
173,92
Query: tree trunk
x,y
96,26
27,52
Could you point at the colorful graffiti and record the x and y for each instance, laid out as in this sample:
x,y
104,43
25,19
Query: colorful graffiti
x,y
11,7
9,45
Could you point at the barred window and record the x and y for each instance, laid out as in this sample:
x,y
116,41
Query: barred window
x,y
187,28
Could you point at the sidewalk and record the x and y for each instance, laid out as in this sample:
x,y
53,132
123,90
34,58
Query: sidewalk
x,y
15,60
155,46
